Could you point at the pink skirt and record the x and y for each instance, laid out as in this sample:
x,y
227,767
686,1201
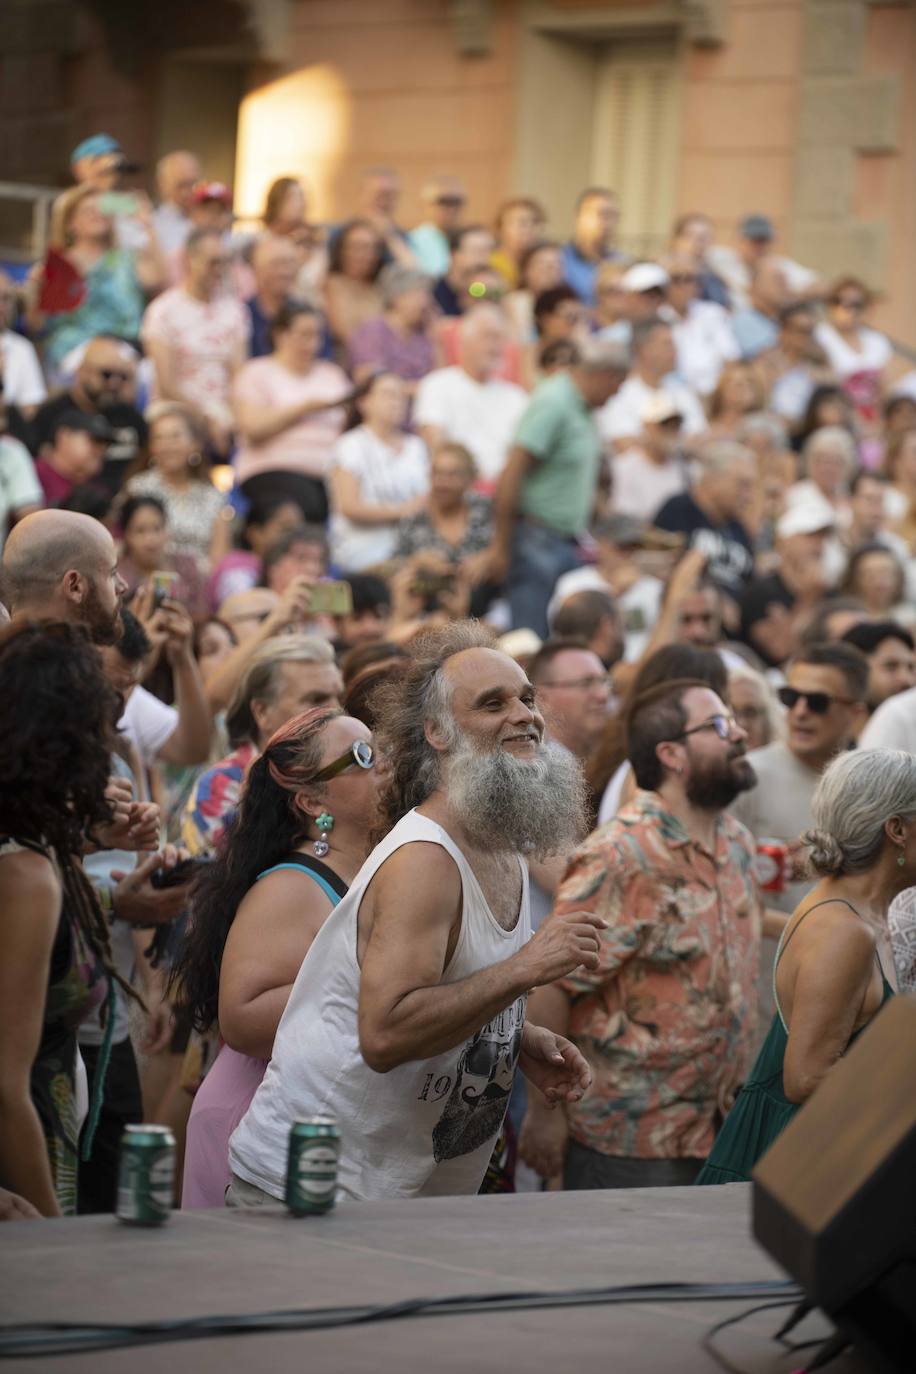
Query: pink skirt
x,y
219,1105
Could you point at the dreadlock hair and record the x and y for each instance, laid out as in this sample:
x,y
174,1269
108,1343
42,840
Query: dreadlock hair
x,y
265,829
56,735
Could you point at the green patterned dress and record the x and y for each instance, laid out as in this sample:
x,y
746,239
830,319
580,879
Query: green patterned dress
x,y
77,987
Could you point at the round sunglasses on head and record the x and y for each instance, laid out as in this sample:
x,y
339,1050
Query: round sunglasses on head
x,y
359,755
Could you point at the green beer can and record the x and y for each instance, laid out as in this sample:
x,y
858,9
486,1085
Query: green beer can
x,y
146,1175
311,1168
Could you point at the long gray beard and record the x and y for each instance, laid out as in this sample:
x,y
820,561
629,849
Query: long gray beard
x,y
535,806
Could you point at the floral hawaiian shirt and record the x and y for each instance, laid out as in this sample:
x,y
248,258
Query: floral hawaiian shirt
x,y
214,801
667,1020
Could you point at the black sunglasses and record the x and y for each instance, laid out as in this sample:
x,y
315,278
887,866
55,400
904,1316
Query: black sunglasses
x,y
113,374
361,754
818,703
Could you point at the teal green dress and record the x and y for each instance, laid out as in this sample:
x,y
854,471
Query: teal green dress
x,y
762,1110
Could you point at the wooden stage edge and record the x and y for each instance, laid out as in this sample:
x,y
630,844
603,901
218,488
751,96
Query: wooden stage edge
x,y
200,1263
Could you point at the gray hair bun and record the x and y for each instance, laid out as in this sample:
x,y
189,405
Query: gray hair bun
x,y
825,854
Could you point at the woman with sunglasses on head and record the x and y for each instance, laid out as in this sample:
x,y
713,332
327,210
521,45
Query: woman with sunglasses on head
x,y
857,354
300,836
834,966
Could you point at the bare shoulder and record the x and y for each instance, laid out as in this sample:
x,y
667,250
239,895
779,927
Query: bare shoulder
x,y
29,875
834,930
282,889
417,867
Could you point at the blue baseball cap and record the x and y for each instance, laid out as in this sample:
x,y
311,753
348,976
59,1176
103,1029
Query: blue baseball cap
x,y
96,146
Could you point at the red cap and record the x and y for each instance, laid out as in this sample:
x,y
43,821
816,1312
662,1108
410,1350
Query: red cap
x,y
211,190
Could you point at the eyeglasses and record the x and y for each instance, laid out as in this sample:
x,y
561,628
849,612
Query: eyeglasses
x,y
854,304
724,727
818,703
360,754
113,374
583,684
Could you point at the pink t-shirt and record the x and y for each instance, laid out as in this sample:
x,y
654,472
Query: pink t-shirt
x,y
205,339
219,1105
306,447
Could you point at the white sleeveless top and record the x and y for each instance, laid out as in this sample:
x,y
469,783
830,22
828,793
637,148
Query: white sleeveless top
x,y
426,1127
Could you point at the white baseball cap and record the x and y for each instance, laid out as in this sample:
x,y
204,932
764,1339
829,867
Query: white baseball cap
x,y
644,276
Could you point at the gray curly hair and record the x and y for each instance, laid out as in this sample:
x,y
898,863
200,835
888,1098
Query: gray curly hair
x,y
857,794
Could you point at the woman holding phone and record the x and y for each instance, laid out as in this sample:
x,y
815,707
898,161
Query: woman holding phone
x,y
289,411
300,835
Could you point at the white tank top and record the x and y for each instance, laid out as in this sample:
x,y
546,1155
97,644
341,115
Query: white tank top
x,y
426,1127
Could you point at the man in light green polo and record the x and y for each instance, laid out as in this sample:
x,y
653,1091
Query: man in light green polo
x,y
546,491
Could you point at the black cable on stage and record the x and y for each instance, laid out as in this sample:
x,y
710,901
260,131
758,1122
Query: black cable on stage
x,y
24,1339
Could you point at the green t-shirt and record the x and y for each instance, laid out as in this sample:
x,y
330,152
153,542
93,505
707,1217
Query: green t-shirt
x,y
558,429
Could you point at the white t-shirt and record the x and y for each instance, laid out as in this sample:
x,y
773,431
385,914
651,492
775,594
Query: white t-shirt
x,y
622,415
19,484
23,379
424,1128
481,415
640,487
148,723
705,342
893,726
874,355
386,477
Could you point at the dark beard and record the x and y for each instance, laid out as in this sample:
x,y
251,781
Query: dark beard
x,y
716,789
531,806
104,626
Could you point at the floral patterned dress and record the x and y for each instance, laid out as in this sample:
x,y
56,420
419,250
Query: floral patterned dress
x,y
77,987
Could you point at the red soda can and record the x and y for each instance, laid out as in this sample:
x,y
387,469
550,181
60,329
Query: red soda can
x,y
772,865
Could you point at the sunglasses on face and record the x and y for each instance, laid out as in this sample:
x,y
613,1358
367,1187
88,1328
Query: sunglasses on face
x,y
360,755
818,703
723,726
450,202
113,374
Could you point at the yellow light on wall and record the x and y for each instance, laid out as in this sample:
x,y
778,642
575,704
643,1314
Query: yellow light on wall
x,y
297,126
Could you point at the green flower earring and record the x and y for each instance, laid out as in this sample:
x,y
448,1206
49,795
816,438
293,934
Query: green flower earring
x,y
325,823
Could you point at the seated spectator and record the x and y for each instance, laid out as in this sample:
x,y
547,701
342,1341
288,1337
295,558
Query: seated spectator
x,y
592,241
541,269
110,281
369,621
20,490
176,176
891,653
653,467
444,199
275,266
471,249
558,315
877,577
654,360
590,617
791,370
240,569
831,618
756,325
755,706
519,225
145,550
380,476
210,211
737,266
703,337
351,291
619,543
692,238
468,404
299,552
74,456
105,384
858,355
289,412
399,339
285,677
645,292
55,961
710,513
738,395
775,607
23,383
898,413
197,337
900,466
829,459
379,193
175,470
869,515
612,315
456,522
828,406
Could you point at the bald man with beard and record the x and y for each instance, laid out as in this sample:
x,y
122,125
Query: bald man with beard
x,y
58,565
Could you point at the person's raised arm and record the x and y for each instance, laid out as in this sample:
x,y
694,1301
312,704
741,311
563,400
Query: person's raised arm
x,y
189,742
291,609
30,898
831,986
405,1011
268,940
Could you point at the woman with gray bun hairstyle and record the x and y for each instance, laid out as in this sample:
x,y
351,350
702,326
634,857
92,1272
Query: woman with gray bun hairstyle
x,y
833,971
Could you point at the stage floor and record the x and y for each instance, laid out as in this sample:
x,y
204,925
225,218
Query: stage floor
x,y
95,1269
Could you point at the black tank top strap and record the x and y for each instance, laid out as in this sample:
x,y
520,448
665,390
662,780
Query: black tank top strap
x,y
312,865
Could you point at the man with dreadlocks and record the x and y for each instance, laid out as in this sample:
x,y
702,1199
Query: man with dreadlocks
x,y
407,1018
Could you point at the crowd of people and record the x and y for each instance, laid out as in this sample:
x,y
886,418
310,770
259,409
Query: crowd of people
x,y
417,636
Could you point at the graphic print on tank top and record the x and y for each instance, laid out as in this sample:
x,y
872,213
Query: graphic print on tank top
x,y
479,1095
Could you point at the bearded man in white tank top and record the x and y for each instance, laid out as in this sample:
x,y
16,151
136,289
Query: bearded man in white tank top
x,y
407,1019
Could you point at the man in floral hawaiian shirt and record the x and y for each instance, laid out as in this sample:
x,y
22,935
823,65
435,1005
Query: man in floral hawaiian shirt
x,y
666,1021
